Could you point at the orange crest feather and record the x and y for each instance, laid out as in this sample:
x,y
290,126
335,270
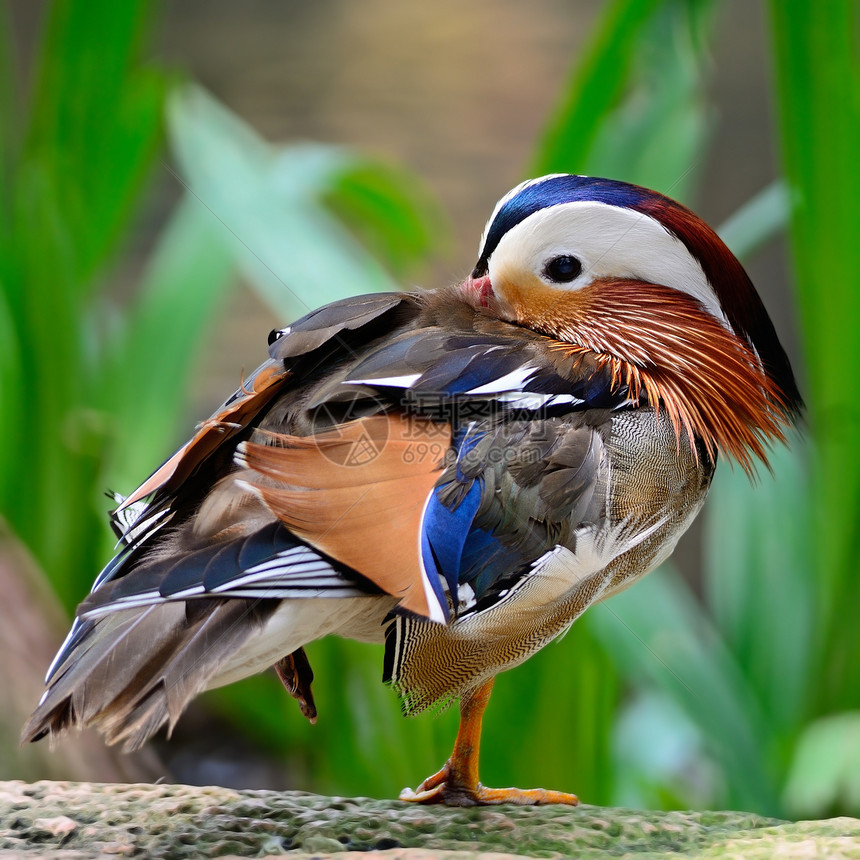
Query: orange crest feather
x,y
662,342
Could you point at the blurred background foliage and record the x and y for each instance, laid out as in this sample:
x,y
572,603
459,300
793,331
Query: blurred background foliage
x,y
738,686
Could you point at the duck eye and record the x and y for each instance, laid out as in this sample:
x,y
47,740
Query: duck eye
x,y
563,269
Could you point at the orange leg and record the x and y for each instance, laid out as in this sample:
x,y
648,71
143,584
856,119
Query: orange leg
x,y
457,783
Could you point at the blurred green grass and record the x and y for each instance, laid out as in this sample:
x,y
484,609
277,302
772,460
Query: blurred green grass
x,y
735,697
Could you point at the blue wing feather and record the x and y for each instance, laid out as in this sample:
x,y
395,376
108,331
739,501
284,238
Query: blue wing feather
x,y
485,560
444,534
454,549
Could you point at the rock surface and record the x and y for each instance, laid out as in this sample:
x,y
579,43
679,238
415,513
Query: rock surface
x,y
84,820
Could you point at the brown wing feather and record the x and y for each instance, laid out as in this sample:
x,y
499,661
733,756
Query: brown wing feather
x,y
232,416
357,493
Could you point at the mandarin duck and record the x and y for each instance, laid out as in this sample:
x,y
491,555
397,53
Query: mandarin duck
x,y
459,473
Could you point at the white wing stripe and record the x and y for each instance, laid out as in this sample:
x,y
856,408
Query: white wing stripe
x,y
512,381
404,381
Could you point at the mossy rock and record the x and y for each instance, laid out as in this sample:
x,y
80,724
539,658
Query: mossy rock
x,y
83,820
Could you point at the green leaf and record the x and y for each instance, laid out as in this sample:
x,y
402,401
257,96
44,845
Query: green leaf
x,y
9,125
636,107
657,633
269,205
824,779
11,393
818,95
93,122
660,756
96,120
757,576
391,212
148,372
43,300
594,89
758,221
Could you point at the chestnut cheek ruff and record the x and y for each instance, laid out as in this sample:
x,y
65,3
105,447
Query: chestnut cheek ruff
x,y
662,342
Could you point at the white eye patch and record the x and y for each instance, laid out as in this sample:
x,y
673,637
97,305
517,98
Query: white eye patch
x,y
610,242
